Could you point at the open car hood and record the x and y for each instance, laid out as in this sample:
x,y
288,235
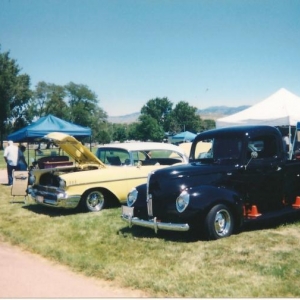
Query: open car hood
x,y
74,148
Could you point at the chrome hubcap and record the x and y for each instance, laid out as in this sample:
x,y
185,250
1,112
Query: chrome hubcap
x,y
222,222
95,200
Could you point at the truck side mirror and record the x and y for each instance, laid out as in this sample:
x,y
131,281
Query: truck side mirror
x,y
254,155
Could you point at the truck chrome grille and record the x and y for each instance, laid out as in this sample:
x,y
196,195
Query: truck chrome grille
x,y
149,197
149,205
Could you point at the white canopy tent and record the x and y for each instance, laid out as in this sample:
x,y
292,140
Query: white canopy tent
x,y
280,109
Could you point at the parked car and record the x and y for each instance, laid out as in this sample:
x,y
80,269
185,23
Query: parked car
x,y
96,181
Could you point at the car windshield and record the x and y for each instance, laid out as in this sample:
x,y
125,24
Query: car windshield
x,y
120,157
112,156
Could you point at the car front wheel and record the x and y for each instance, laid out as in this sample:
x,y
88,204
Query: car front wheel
x,y
219,222
93,201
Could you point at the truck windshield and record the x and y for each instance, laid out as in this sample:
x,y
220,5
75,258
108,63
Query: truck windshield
x,y
222,149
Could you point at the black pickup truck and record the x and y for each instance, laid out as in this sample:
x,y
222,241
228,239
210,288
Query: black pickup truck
x,y
245,175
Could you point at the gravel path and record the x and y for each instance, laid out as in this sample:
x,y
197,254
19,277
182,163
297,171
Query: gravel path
x,y
3,176
27,275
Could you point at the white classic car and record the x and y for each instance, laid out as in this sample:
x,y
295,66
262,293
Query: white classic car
x,y
96,181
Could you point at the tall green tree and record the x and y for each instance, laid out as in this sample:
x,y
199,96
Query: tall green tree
x,y
40,97
48,98
149,129
14,95
120,132
101,131
185,118
208,124
56,104
85,111
83,104
132,131
159,109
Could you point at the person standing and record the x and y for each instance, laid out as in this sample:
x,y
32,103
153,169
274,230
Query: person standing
x,y
11,157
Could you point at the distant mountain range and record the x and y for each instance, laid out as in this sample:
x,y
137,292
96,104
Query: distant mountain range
x,y
213,113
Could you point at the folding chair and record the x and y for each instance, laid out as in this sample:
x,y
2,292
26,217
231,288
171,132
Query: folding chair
x,y
20,184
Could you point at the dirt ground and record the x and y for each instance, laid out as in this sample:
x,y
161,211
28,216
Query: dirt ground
x,y
3,176
27,275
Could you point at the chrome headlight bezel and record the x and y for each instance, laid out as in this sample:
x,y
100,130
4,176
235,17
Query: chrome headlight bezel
x,y
132,197
182,201
31,179
62,184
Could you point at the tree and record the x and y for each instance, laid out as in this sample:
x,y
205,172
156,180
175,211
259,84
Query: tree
x,y
83,104
101,131
57,106
184,118
119,132
47,99
75,103
14,94
84,111
132,131
208,124
159,109
149,129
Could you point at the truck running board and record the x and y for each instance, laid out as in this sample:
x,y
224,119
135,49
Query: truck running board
x,y
253,212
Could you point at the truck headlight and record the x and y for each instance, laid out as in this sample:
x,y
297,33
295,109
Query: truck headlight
x,y
182,201
132,196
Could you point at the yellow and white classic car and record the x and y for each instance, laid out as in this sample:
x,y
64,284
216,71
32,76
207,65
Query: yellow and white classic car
x,y
97,181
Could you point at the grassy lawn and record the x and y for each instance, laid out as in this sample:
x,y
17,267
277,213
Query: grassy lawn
x,y
254,263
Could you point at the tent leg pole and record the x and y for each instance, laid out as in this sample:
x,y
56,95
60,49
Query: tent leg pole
x,y
290,143
28,153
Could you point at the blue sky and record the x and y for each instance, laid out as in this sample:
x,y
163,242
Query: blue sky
x,y
205,52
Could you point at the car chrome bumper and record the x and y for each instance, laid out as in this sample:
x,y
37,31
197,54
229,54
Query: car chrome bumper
x,y
58,199
127,216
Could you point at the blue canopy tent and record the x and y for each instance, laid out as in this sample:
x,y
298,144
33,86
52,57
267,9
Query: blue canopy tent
x,y
183,137
37,130
45,125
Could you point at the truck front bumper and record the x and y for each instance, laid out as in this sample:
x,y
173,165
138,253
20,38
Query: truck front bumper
x,y
127,216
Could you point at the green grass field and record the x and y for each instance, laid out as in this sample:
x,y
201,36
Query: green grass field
x,y
253,263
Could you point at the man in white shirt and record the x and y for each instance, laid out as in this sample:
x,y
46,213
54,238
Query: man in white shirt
x,y
11,158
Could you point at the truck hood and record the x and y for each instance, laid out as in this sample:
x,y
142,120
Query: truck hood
x,y
74,148
193,171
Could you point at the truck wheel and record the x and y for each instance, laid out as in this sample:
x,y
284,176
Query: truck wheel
x,y
93,201
219,222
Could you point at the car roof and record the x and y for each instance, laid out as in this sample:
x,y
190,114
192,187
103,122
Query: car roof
x,y
238,130
143,146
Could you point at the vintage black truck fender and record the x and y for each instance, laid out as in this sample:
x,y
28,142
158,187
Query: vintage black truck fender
x,y
204,197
